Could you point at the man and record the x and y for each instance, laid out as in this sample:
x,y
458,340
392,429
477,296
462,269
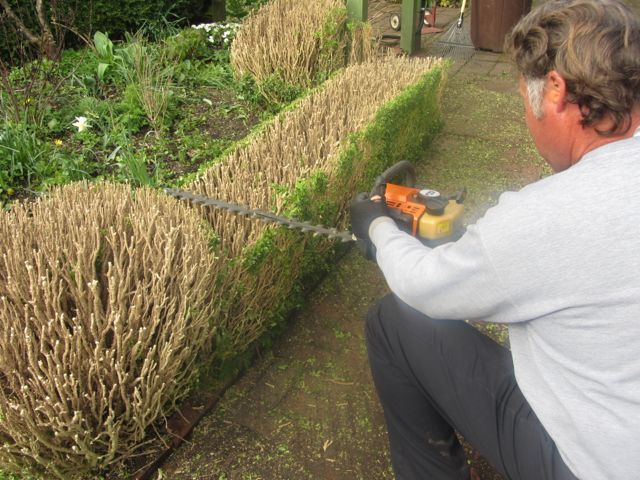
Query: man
x,y
558,262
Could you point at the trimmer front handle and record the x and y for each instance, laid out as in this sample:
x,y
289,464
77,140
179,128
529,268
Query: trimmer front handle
x,y
403,167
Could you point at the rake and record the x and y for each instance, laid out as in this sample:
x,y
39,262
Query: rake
x,y
456,42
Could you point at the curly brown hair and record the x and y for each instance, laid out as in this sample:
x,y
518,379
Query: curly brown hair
x,y
594,45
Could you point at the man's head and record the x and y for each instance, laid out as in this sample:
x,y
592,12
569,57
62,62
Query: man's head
x,y
590,50
594,45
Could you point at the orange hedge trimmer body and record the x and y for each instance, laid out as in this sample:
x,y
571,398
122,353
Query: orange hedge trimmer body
x,y
424,213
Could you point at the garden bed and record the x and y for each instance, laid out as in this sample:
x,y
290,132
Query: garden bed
x,y
146,113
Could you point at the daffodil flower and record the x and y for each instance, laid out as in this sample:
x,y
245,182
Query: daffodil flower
x,y
81,124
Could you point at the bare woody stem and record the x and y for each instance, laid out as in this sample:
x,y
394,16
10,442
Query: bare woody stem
x,y
29,35
45,42
42,19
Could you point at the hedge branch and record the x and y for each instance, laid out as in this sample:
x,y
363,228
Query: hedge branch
x,y
21,27
45,41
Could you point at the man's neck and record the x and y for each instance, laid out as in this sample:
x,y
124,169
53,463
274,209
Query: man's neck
x,y
588,138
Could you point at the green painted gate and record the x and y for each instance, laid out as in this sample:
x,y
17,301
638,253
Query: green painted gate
x,y
409,38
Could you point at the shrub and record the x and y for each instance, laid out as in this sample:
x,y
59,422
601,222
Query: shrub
x,y
129,15
26,162
300,43
189,44
27,93
309,162
105,306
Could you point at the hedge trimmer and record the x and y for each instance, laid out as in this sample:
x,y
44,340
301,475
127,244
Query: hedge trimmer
x,y
424,213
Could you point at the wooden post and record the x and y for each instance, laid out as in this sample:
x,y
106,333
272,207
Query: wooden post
x,y
409,37
358,9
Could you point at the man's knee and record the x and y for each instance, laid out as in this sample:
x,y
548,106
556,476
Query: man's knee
x,y
390,321
379,319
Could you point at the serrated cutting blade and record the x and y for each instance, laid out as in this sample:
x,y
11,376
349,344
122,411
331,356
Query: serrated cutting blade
x,y
268,217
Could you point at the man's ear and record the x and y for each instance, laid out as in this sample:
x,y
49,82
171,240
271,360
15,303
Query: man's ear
x,y
556,89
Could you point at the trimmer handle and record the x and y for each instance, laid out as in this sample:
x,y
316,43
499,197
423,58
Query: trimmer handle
x,y
403,167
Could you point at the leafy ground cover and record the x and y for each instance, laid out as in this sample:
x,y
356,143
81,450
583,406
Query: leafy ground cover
x,y
148,111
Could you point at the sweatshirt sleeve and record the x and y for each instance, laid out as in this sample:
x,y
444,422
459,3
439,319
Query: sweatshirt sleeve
x,y
455,281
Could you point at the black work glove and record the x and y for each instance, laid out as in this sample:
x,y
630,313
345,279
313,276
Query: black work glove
x,y
363,212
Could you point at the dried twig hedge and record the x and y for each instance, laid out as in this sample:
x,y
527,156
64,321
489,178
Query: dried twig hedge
x,y
264,173
298,43
107,297
104,306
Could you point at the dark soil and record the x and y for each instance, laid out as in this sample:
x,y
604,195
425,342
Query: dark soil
x,y
210,121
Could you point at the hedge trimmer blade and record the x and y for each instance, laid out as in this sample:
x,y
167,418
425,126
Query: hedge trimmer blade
x,y
261,215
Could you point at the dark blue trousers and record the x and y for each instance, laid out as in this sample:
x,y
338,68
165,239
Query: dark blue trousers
x,y
435,377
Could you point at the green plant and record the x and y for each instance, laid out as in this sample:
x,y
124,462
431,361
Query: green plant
x,y
238,9
333,41
87,83
102,120
190,44
27,162
103,48
131,114
9,476
159,28
133,166
102,128
145,69
218,75
80,61
28,92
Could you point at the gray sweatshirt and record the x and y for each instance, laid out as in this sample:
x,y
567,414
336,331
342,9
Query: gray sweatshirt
x,y
559,262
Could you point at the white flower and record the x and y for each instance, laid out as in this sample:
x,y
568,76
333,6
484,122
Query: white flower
x,y
81,124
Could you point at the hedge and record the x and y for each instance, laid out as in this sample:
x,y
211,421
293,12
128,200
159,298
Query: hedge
x,y
308,163
105,305
288,44
112,300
